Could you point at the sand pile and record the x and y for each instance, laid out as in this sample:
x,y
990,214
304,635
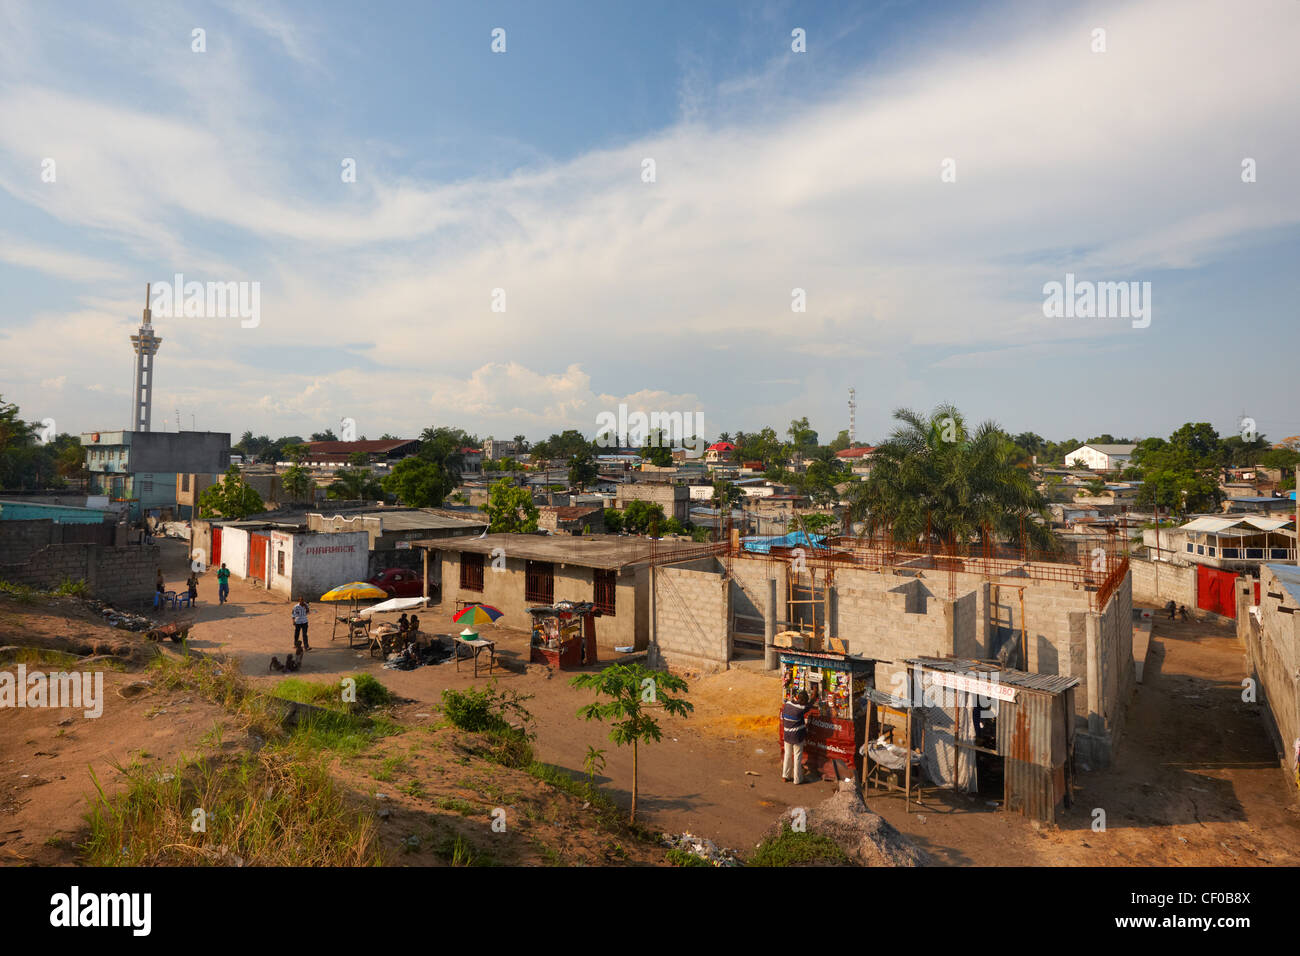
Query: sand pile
x,y
865,836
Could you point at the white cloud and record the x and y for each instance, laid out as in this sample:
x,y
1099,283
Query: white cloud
x,y
1121,164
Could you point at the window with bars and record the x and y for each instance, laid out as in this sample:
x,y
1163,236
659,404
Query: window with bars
x,y
539,582
471,572
606,587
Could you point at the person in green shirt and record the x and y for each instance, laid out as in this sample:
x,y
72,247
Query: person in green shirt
x,y
223,583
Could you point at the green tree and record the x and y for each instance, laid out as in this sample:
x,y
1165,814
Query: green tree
x,y
564,445
442,446
297,483
510,509
634,693
582,469
358,459
726,494
818,523
295,452
1181,473
763,445
352,484
326,435
803,438
418,483
231,498
640,517
935,474
657,451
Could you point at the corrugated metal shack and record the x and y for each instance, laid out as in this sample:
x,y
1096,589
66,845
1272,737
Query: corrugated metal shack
x,y
1034,726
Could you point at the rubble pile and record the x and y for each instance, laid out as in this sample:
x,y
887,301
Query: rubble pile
x,y
123,619
702,847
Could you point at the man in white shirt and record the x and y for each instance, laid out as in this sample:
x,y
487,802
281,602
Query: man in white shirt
x,y
300,613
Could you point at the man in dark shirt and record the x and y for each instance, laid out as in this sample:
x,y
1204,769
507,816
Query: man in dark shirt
x,y
794,730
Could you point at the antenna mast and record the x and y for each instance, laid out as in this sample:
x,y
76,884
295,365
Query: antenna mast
x,y
853,409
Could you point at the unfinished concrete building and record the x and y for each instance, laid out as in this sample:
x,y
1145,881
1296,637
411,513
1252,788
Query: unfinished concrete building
x,y
1043,616
513,572
1270,630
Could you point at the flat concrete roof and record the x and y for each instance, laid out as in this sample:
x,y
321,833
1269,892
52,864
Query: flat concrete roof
x,y
416,520
586,551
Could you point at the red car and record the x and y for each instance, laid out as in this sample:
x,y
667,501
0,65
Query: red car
x,y
399,582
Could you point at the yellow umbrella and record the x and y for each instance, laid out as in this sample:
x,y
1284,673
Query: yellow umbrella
x,y
354,591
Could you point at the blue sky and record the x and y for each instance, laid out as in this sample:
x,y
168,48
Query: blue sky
x,y
775,170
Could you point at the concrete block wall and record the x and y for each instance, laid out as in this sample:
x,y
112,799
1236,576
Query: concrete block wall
x,y
890,617
20,539
1273,657
120,575
1155,582
692,614
750,576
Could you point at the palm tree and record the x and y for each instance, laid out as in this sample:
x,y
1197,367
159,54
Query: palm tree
x,y
934,476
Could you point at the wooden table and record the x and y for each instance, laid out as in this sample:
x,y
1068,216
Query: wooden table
x,y
477,645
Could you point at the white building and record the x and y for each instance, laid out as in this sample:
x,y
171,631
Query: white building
x,y
1101,457
308,564
289,559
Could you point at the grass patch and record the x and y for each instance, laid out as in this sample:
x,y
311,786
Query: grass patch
x,y
389,768
459,852
369,692
273,808
679,857
326,729
49,658
26,594
456,805
789,848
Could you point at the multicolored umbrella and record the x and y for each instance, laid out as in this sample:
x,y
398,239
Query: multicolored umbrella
x,y
475,615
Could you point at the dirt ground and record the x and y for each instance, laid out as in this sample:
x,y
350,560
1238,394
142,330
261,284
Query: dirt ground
x,y
1195,780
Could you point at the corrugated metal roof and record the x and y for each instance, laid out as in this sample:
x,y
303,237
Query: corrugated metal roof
x,y
1288,575
1046,683
1216,525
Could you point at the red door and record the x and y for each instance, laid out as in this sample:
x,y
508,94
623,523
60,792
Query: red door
x,y
257,544
1216,591
216,547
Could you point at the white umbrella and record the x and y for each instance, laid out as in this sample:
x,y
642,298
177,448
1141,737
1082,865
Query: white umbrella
x,y
393,604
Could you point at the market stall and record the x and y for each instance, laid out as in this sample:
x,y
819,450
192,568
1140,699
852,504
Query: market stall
x,y
564,634
837,725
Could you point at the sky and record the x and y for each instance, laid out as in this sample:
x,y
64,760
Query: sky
x,y
502,261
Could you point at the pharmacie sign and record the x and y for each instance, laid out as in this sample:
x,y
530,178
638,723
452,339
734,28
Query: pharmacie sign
x,y
974,685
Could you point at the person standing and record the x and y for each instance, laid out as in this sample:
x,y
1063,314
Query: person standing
x,y
300,613
794,730
160,585
192,587
223,583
